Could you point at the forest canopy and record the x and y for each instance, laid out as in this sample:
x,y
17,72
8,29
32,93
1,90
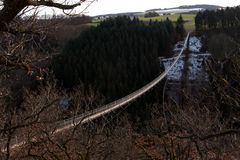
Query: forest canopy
x,y
116,57
219,19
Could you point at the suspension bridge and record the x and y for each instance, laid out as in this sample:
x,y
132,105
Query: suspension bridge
x,y
89,116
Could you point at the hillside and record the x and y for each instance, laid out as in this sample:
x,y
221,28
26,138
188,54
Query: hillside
x,y
188,7
180,9
204,6
120,14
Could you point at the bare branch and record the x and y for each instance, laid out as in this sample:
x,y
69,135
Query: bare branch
x,y
54,4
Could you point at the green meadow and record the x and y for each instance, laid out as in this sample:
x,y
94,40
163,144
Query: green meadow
x,y
188,18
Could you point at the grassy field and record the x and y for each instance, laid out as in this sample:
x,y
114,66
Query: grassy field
x,y
188,18
94,23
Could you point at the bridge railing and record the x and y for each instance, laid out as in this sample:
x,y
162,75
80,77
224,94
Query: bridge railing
x,y
91,115
99,112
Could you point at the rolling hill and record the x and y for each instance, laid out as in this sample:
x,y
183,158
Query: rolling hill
x,y
188,7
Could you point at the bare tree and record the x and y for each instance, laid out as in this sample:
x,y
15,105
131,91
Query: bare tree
x,y
27,114
40,115
16,33
11,8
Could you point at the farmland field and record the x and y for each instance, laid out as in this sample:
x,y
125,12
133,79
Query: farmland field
x,y
188,18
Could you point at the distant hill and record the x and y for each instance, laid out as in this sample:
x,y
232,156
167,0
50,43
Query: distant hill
x,y
120,14
180,9
189,7
203,6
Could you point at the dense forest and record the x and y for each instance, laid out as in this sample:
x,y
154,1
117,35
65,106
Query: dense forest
x,y
111,60
116,57
221,37
151,14
218,19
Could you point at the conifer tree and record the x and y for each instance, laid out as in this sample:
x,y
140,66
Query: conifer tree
x,y
116,57
180,30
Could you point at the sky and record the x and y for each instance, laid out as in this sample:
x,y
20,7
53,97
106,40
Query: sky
x,y
118,6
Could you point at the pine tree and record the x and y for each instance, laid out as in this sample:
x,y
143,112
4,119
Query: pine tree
x,y
180,30
118,51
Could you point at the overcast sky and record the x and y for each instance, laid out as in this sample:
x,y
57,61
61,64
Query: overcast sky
x,y
118,6
115,6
